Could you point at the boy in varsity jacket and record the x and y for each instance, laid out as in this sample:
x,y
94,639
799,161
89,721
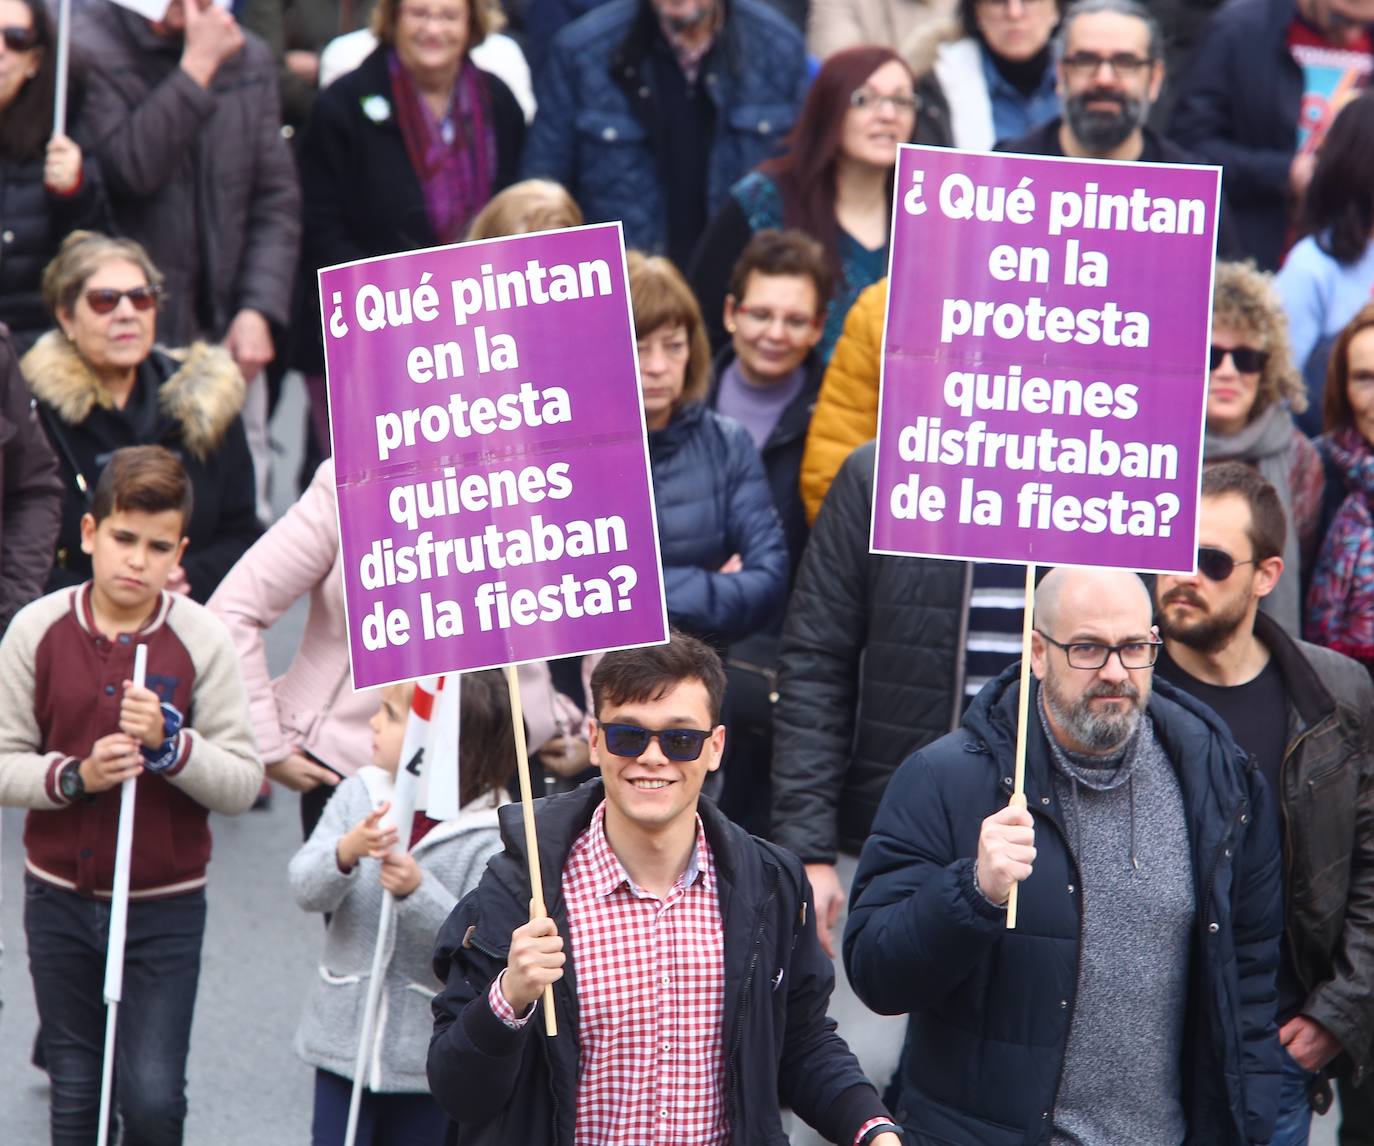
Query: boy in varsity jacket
x,y
73,727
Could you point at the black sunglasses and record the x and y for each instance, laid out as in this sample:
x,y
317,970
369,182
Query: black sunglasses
x,y
18,39
103,300
1248,360
680,744
1217,564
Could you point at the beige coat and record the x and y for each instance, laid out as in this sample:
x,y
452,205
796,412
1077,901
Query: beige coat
x,y
911,28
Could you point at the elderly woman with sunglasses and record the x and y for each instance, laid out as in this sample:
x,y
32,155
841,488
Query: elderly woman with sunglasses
x,y
1253,391
102,385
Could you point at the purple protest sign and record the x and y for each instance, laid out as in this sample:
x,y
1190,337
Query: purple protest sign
x,y
1045,360
495,503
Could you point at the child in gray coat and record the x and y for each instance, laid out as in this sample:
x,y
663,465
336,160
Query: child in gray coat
x,y
346,867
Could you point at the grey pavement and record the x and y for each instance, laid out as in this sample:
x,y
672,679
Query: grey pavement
x,y
245,1086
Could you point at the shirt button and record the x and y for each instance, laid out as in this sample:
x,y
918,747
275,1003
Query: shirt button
x,y
8,236
123,638
1070,889
109,690
86,853
1063,1004
608,134
666,1046
663,1114
665,980
1213,928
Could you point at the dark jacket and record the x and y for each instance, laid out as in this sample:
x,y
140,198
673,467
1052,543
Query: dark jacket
x,y
600,130
782,452
1327,803
203,179
362,196
30,491
990,1009
506,1087
33,222
1238,106
1045,141
712,501
188,401
872,669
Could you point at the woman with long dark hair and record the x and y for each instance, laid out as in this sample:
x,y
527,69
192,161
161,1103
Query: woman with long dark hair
x,y
834,182
1329,275
47,187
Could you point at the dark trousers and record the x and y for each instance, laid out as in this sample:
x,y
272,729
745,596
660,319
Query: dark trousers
x,y
383,1119
1357,1113
67,936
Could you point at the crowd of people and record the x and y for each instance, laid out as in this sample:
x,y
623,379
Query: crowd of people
x,y
799,806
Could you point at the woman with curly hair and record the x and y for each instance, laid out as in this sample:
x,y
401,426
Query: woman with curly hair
x,y
1253,391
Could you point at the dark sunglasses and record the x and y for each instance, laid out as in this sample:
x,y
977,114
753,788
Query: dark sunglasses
x,y
680,744
18,39
1248,360
1217,564
103,300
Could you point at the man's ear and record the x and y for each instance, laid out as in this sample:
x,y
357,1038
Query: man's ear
x,y
1039,655
1266,575
1156,80
717,743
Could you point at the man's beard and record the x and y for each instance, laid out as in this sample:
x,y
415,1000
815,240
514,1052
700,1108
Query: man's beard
x,y
1092,728
1102,131
1212,631
687,21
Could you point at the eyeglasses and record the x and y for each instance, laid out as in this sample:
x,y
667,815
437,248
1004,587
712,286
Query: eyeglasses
x,y
680,744
431,15
1085,65
18,39
103,300
1217,564
759,319
1094,655
866,99
1247,359
1002,8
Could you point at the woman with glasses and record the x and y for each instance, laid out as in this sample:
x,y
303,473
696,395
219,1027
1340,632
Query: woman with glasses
x,y
48,188
1340,599
834,182
999,80
101,386
1329,275
401,153
1253,392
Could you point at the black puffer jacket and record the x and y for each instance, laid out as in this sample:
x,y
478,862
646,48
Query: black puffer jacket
x,y
712,500
519,1088
872,661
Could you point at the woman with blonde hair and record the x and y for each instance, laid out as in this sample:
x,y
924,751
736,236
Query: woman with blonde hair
x,y
524,207
1253,392
725,564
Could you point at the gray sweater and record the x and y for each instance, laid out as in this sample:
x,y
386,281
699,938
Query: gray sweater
x,y
1122,1076
452,858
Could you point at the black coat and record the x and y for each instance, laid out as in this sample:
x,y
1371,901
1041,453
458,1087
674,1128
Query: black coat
x,y
872,668
190,404
988,1020
362,196
506,1087
1238,106
782,452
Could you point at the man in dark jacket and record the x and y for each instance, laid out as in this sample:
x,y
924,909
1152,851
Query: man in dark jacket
x,y
649,110
30,492
701,990
1267,78
1134,1001
1306,715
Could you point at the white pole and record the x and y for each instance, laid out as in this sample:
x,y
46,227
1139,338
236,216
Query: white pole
x,y
119,918
402,814
64,52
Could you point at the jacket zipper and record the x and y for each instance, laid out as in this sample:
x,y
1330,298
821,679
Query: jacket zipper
x,y
1288,847
1073,996
732,1082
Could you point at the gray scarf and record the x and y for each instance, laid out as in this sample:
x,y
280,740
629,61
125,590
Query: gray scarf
x,y
1266,443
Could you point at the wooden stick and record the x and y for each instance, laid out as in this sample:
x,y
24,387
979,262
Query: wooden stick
x,y
1018,789
517,716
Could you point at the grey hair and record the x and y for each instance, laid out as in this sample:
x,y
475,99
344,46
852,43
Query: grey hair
x,y
1130,8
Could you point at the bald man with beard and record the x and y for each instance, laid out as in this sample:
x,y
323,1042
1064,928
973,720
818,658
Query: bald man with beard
x,y
1135,1000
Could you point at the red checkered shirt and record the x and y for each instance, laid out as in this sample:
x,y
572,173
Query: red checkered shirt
x,y
650,993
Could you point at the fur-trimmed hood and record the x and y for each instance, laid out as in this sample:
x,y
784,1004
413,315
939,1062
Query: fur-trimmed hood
x,y
204,392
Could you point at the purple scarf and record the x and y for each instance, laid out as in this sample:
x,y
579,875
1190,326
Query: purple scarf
x,y
1340,602
455,174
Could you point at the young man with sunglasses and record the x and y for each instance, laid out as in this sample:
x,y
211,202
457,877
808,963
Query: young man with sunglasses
x,y
1133,1001
1306,716
688,982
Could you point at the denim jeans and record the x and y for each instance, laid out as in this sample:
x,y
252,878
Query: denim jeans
x,y
1295,1110
67,935
383,1119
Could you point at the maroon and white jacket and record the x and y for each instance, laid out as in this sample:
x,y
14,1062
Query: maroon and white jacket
x,y
60,688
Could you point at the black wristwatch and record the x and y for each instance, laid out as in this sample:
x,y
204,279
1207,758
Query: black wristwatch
x,y
70,783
